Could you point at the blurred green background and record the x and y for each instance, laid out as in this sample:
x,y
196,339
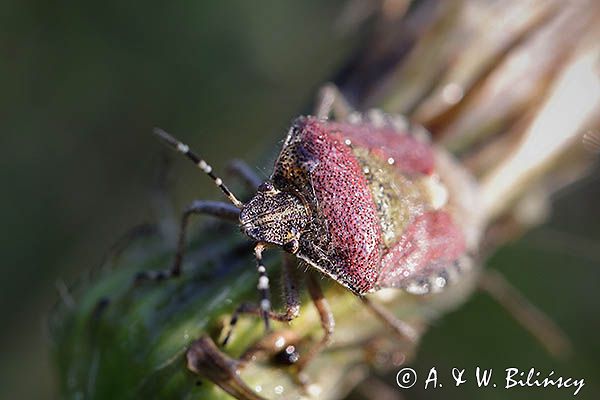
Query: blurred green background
x,y
82,85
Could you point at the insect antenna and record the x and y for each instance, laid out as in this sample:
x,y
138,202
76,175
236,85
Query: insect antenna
x,y
200,163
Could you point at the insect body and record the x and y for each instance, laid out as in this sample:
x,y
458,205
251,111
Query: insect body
x,y
364,200
362,204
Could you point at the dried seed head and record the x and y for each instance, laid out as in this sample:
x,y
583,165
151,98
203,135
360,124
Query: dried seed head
x,y
591,141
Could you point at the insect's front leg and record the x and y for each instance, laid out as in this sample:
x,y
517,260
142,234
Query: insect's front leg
x,y
326,317
215,208
291,295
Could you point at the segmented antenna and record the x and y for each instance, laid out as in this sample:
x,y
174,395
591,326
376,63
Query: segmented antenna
x,y
200,163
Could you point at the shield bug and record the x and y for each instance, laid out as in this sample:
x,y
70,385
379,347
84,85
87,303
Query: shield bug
x,y
365,199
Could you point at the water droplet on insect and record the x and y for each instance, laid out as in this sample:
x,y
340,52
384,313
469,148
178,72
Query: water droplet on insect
x,y
279,342
452,93
314,390
278,389
440,282
354,118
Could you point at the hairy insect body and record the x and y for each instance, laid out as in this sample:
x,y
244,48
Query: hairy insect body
x,y
367,200
365,205
274,216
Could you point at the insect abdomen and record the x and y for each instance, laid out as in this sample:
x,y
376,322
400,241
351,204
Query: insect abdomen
x,y
333,178
380,211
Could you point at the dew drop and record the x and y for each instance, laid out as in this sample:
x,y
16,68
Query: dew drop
x,y
279,342
314,390
440,282
452,93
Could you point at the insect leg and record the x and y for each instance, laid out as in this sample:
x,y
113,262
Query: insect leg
x,y
399,327
529,316
331,101
291,290
326,316
243,171
214,208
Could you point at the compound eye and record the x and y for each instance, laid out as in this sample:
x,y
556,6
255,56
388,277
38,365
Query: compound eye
x,y
292,246
266,187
